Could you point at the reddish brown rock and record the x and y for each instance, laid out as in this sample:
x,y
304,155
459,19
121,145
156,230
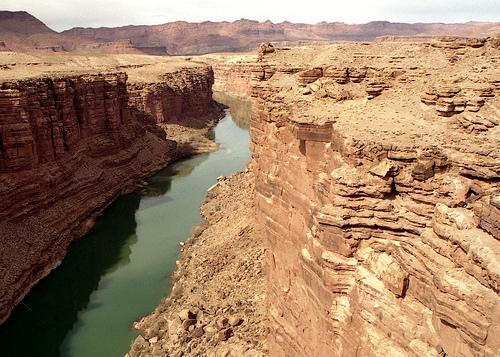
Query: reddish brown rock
x,y
69,145
179,97
184,38
309,75
380,216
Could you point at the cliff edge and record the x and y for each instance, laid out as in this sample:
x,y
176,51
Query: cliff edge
x,y
72,139
377,170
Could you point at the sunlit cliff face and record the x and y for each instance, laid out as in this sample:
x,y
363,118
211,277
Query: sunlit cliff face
x,y
380,210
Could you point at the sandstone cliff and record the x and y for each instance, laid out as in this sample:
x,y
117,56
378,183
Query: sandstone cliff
x,y
233,83
182,96
233,73
70,143
377,171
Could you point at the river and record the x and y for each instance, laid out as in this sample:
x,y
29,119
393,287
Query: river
x,y
121,270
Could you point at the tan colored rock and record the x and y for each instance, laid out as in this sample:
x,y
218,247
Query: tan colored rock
x,y
309,75
76,135
224,334
222,322
339,75
186,314
235,321
198,332
384,168
380,216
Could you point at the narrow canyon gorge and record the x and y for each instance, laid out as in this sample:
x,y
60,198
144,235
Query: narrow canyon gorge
x,y
366,223
70,143
376,201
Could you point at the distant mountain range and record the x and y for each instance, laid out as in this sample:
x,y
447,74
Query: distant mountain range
x,y
20,31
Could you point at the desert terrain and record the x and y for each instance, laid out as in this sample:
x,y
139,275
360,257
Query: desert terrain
x,y
20,31
376,200
366,223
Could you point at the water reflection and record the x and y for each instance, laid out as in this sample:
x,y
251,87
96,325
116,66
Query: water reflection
x,y
122,269
241,108
43,319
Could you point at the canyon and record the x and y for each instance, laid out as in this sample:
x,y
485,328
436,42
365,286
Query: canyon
x,y
376,203
20,31
367,222
77,133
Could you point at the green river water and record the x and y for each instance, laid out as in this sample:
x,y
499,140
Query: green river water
x,y
121,269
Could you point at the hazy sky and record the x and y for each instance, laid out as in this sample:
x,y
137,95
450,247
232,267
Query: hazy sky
x,y
64,14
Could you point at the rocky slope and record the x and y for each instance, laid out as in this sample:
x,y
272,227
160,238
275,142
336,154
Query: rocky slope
x,y
217,303
23,23
71,142
377,170
180,37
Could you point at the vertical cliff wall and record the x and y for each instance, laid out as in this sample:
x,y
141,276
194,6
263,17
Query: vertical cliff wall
x,y
181,97
233,78
377,188
69,145
233,84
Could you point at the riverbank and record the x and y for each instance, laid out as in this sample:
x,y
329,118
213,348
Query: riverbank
x,y
77,134
122,269
217,304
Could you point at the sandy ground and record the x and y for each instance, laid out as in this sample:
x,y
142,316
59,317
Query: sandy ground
x,y
140,68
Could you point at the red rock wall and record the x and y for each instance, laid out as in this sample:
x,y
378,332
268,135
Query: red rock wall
x,y
374,249
68,147
42,121
233,79
183,97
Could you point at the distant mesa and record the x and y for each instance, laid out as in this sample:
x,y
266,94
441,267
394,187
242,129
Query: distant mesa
x,y
21,31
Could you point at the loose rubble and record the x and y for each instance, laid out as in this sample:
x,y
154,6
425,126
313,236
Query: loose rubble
x,y
217,303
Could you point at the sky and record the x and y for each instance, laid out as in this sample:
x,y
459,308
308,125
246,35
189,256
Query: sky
x,y
64,14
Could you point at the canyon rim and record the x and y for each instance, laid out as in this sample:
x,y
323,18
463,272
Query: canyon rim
x,y
325,189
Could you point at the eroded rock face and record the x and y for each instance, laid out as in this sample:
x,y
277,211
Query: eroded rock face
x,y
233,78
381,216
43,120
183,96
69,145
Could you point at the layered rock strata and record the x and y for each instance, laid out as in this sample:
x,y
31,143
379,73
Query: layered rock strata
x,y
69,145
380,212
182,97
22,32
233,78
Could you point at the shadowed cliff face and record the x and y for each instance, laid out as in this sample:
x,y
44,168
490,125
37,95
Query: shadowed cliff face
x,y
182,97
70,144
377,171
43,318
241,108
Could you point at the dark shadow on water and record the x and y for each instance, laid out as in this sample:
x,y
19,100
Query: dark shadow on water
x,y
241,108
38,326
161,182
55,309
